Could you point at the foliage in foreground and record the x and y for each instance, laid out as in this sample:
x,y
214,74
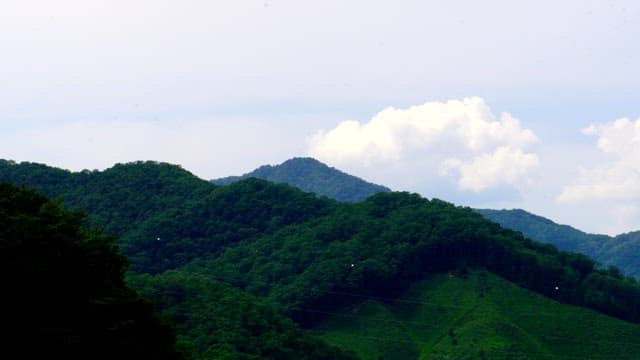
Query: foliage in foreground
x,y
64,294
217,321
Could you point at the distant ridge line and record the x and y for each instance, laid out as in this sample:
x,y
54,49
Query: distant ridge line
x,y
311,175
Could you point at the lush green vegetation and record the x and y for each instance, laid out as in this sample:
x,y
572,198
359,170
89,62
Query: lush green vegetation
x,y
382,245
117,199
165,216
243,211
217,321
475,316
622,252
310,175
64,295
193,218
619,251
196,247
544,230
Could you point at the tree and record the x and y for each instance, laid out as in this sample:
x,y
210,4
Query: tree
x,y
64,292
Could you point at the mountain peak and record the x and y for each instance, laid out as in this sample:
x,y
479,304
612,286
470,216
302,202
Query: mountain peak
x,y
311,175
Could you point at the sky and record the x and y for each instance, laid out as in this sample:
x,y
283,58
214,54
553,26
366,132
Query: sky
x,y
490,104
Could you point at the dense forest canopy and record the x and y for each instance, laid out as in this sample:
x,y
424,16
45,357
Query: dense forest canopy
x,y
64,292
619,251
383,244
289,253
311,175
217,321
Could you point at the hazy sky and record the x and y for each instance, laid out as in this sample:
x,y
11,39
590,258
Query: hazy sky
x,y
533,105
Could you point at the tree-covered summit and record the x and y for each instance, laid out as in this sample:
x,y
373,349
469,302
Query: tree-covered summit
x,y
311,175
116,199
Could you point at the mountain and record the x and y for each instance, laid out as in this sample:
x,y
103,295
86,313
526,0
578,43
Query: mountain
x,y
619,251
311,175
116,199
129,199
622,251
252,268
541,229
145,204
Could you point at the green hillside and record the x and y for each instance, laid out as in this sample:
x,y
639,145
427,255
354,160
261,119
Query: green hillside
x,y
107,197
475,316
116,199
311,175
544,230
619,251
273,251
213,320
622,251
217,321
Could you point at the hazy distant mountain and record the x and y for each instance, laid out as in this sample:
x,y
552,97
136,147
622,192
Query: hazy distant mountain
x,y
536,227
621,251
311,175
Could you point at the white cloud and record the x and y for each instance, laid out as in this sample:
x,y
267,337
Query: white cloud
x,y
504,165
612,187
462,136
618,180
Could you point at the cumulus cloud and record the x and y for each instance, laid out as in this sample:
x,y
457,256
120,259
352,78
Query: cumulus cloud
x,y
618,180
611,188
463,137
504,165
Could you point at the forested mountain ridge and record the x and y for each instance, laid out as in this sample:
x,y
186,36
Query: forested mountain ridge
x,y
620,251
311,175
174,187
116,199
310,257
214,320
564,237
304,173
146,204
